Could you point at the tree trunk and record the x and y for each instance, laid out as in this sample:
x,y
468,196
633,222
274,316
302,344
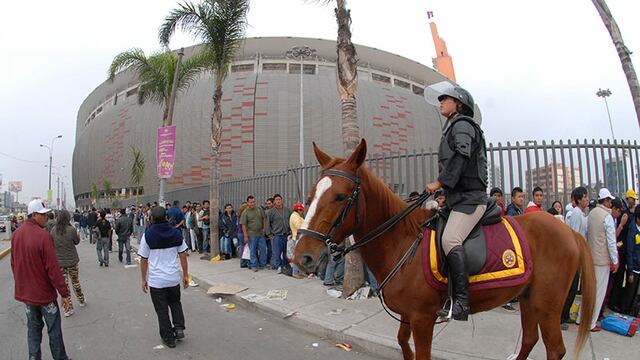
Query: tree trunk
x,y
216,136
623,53
347,87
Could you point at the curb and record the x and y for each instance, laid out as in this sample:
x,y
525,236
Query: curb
x,y
368,346
4,252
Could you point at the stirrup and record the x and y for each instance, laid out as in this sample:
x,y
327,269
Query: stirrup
x,y
449,312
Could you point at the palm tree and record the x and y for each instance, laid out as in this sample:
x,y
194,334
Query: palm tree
x,y
137,169
347,87
156,74
106,184
95,193
220,25
623,52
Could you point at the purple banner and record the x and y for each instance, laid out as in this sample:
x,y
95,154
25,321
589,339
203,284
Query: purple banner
x,y
166,151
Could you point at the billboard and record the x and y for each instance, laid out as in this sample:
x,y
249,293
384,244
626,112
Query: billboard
x,y
166,151
15,186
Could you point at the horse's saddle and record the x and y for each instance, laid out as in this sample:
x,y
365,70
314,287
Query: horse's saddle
x,y
475,245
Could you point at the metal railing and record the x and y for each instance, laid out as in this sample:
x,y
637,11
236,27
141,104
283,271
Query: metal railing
x,y
557,167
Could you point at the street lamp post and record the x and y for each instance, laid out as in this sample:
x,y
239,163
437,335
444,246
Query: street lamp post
x,y
58,174
301,52
50,164
605,94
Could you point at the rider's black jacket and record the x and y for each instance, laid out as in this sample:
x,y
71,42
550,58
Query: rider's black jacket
x,y
462,162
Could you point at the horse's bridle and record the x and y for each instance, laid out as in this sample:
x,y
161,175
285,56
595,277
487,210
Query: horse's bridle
x,y
353,198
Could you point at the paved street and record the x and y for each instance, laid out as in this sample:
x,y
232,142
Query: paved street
x,y
119,323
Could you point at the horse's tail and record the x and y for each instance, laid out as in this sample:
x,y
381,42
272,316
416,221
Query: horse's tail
x,y
588,286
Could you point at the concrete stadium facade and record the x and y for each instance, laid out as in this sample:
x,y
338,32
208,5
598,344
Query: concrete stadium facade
x,y
261,110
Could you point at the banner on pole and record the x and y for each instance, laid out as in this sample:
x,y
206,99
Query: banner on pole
x,y
166,151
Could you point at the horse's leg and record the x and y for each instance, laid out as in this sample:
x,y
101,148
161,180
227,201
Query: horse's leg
x,y
422,329
551,334
529,328
404,333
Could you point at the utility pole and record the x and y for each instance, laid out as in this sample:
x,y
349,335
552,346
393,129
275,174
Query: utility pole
x,y
172,101
49,194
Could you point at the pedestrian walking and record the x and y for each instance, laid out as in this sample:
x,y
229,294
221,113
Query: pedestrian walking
x,y
160,248
124,229
92,220
37,277
102,243
65,239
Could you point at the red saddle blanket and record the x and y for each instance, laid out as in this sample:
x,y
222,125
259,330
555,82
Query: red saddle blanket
x,y
508,261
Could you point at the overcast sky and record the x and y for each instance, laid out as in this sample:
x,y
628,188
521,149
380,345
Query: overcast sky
x,y
533,66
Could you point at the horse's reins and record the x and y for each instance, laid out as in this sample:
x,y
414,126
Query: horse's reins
x,y
370,236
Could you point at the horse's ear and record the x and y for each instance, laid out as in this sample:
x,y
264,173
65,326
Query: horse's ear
x,y
323,158
359,154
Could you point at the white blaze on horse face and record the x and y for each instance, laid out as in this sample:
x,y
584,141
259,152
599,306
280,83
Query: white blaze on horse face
x,y
323,185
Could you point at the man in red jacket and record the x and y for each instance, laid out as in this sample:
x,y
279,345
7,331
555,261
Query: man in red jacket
x,y
37,276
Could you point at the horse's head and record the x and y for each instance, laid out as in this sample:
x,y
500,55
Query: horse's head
x,y
333,207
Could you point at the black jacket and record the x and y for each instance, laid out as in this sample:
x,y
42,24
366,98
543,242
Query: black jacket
x,y
228,225
462,162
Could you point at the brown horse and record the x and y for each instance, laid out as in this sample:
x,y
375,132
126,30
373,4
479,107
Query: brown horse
x,y
557,253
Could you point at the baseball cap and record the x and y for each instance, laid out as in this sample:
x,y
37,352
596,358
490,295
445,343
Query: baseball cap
x,y
631,194
298,206
37,206
605,193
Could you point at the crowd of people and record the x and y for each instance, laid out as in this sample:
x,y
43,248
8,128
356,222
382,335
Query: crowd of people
x,y
612,227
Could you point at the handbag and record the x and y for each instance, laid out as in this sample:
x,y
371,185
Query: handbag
x,y
246,253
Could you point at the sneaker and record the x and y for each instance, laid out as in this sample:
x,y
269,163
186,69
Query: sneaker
x,y
171,342
193,283
508,307
106,265
279,270
329,283
179,334
269,267
83,304
101,264
68,312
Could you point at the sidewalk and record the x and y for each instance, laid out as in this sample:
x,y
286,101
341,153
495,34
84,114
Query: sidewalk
x,y
363,323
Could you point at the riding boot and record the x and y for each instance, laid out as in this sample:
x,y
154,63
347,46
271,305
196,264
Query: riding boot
x,y
459,277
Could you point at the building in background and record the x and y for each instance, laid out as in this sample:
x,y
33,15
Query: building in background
x,y
553,178
261,117
443,62
614,176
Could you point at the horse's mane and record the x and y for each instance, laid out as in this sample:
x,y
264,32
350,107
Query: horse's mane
x,y
387,199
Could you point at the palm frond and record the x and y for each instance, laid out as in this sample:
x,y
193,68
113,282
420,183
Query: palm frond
x,y
187,17
137,166
132,58
192,67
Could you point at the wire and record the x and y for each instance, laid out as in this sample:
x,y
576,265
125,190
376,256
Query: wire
x,y
23,160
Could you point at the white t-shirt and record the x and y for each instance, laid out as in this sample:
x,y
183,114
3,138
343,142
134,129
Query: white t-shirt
x,y
164,268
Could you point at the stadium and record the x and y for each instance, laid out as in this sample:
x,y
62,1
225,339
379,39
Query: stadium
x,y
261,118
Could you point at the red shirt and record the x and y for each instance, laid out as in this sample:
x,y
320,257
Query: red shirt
x,y
532,208
36,272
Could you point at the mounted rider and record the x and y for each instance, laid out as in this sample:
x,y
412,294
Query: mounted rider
x,y
463,176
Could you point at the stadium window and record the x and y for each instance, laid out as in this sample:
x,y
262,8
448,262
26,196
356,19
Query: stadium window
x,y
241,68
309,69
381,78
402,84
275,67
99,111
418,90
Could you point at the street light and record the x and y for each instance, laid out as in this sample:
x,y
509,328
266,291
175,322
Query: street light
x,y
59,174
50,161
301,52
605,94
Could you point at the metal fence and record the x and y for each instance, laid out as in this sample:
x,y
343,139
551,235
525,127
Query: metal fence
x,y
556,167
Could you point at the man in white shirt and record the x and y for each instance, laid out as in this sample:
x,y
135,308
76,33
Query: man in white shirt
x,y
160,247
601,232
577,220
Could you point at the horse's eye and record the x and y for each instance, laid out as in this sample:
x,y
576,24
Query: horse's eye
x,y
340,197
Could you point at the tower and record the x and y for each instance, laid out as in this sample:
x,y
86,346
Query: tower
x,y
442,62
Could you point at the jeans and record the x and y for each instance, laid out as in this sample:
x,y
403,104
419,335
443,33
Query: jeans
x,y
126,244
84,232
334,272
258,247
370,278
279,243
206,237
51,315
573,290
243,262
226,245
139,232
102,246
165,299
186,234
193,237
